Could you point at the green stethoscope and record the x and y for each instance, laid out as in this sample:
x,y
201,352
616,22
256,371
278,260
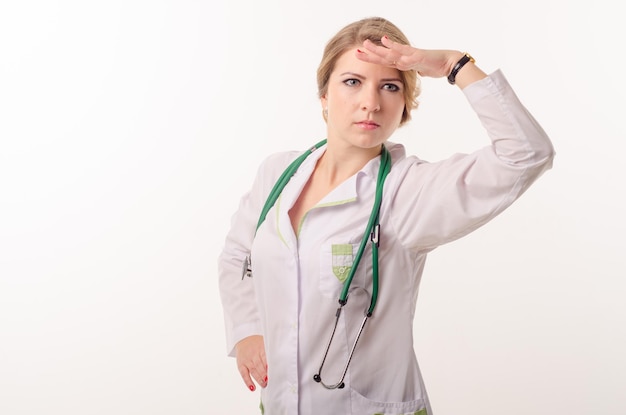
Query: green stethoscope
x,y
372,233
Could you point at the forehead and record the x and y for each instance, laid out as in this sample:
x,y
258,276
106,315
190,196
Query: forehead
x,y
348,62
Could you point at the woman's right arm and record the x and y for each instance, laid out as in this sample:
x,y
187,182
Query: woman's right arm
x,y
241,317
243,330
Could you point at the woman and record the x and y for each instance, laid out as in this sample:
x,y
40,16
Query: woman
x,y
279,322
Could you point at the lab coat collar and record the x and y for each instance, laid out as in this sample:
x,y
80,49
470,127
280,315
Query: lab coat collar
x,y
347,191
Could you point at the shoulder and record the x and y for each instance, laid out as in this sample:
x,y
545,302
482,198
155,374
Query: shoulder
x,y
400,160
272,167
276,163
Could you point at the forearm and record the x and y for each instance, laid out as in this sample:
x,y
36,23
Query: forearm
x,y
517,138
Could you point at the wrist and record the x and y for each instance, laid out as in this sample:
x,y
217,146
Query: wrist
x,y
462,60
454,57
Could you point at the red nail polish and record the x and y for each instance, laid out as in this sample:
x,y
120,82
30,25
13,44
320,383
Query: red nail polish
x,y
359,50
266,378
251,388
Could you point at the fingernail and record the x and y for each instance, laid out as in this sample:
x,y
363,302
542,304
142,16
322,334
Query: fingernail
x,y
265,378
251,388
359,50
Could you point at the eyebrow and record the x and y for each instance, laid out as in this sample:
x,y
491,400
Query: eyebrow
x,y
362,77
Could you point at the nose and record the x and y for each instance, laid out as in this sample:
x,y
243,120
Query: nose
x,y
370,99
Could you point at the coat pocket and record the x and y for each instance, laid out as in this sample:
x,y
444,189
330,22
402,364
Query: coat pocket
x,y
363,406
336,263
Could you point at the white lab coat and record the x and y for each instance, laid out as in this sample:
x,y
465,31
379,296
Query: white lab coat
x,y
292,297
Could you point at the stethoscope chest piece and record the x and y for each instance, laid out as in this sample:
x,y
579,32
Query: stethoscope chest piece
x,y
371,234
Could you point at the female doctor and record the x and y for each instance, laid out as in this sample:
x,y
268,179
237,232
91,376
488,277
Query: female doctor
x,y
319,284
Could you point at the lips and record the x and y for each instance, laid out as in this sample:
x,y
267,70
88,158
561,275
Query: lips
x,y
367,124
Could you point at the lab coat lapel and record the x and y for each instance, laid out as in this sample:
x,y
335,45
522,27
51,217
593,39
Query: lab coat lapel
x,y
288,198
346,192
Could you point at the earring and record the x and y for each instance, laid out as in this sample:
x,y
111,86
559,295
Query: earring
x,y
325,113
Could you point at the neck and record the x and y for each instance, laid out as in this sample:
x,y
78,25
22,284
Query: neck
x,y
338,164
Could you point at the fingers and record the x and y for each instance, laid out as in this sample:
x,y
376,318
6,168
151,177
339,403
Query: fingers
x,y
426,62
390,54
253,374
380,55
251,362
253,371
397,47
245,375
258,370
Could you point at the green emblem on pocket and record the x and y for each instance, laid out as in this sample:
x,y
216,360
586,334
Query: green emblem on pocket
x,y
342,261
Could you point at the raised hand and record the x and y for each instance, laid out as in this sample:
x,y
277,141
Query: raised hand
x,y
426,62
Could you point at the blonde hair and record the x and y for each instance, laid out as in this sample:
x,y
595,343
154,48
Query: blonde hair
x,y
353,35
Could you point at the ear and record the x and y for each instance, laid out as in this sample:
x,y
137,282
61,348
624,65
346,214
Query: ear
x,y
324,102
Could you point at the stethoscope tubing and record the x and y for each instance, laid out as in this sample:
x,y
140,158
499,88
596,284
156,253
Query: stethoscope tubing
x,y
283,180
372,233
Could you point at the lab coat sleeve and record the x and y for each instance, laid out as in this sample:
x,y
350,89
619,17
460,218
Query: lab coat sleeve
x,y
436,203
241,317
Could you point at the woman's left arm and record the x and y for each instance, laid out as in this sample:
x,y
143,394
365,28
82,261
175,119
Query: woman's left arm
x,y
446,200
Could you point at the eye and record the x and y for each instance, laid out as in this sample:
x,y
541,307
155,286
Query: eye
x,y
352,82
391,87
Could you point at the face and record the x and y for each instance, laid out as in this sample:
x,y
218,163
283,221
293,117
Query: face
x,y
364,102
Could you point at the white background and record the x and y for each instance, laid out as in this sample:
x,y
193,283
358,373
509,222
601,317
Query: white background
x,y
129,130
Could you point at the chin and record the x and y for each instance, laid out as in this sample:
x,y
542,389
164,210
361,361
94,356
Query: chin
x,y
369,142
